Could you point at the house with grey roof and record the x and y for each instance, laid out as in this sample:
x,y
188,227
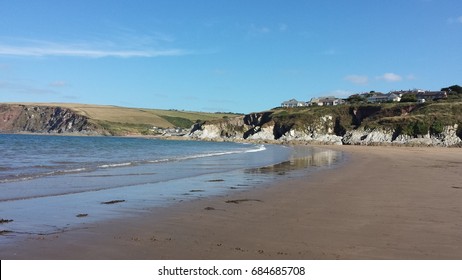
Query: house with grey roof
x,y
293,103
431,95
381,98
424,94
326,101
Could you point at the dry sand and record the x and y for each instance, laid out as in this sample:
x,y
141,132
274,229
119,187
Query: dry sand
x,y
385,203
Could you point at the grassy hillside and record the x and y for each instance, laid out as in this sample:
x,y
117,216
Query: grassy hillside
x,y
408,118
122,120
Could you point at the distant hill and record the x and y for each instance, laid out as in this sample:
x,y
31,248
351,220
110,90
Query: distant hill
x,y
95,119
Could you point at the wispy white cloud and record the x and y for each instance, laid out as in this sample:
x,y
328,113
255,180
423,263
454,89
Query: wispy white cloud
x,y
35,48
357,79
254,29
219,71
387,77
453,20
283,27
292,72
390,77
58,84
411,77
260,30
338,93
24,87
330,51
26,90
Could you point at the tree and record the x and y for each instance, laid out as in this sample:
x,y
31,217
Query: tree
x,y
455,89
437,127
356,99
408,98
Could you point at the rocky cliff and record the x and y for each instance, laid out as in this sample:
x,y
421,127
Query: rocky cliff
x,y
343,125
387,124
43,119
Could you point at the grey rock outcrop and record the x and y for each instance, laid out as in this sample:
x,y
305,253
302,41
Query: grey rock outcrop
x,y
367,137
232,128
389,137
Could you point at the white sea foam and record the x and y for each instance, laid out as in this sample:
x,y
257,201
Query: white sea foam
x,y
74,170
259,149
159,160
116,165
26,177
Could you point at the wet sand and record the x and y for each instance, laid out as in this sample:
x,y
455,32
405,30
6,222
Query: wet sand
x,y
384,203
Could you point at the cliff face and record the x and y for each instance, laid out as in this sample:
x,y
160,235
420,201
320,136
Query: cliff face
x,y
367,125
263,127
427,125
43,119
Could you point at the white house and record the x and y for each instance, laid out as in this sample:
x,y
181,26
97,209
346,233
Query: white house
x,y
293,103
325,101
424,94
380,97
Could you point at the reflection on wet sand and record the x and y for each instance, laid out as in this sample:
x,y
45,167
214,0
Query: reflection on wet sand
x,y
302,158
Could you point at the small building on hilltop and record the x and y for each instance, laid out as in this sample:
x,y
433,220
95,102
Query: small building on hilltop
x,y
424,94
382,98
326,101
431,95
293,103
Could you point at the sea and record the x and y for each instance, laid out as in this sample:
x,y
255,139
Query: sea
x,y
51,184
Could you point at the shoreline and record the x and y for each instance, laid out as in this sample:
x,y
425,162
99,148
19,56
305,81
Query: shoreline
x,y
313,143
383,203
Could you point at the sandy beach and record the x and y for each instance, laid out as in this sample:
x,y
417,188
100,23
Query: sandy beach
x,y
384,203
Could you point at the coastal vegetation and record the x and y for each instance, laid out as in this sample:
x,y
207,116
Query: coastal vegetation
x,y
406,117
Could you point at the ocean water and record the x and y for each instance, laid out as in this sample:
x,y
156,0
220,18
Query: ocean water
x,y
51,184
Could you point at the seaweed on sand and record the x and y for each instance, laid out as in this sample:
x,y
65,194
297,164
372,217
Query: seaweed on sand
x,y
113,201
237,201
4,221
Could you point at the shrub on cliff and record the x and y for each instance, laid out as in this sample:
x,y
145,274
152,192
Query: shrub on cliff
x,y
459,130
409,98
437,127
420,128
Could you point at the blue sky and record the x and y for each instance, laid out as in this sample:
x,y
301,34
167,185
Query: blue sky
x,y
224,55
